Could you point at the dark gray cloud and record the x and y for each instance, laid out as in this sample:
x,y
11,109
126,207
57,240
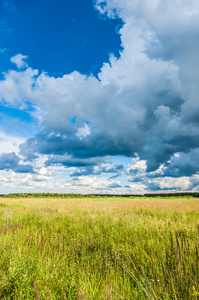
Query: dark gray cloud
x,y
180,164
10,161
92,146
183,164
67,161
86,166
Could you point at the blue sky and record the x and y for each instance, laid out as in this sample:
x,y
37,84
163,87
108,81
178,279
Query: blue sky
x,y
99,96
58,37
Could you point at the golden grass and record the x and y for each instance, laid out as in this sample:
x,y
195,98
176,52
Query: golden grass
x,y
107,204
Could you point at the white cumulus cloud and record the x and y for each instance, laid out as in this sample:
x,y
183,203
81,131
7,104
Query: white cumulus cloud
x,y
20,61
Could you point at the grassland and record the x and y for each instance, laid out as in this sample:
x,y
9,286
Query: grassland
x,y
99,248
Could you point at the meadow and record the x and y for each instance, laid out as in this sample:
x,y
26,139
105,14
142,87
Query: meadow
x,y
99,248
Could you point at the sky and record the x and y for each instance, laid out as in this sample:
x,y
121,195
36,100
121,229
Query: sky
x,y
99,96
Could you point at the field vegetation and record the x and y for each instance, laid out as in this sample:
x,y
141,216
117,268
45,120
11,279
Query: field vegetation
x,y
99,248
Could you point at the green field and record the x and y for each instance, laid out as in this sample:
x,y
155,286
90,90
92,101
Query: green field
x,y
99,248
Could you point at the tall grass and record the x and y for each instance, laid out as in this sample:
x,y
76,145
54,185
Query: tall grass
x,y
99,249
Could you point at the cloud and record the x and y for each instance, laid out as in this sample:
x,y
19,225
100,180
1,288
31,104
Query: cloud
x,y
94,183
20,61
98,169
86,166
10,161
137,188
68,161
16,88
145,102
83,132
10,142
170,183
183,164
2,50
180,173
28,182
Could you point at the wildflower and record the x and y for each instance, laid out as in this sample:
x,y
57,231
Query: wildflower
x,y
195,294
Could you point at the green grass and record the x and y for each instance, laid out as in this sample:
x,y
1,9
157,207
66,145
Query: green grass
x,y
99,249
